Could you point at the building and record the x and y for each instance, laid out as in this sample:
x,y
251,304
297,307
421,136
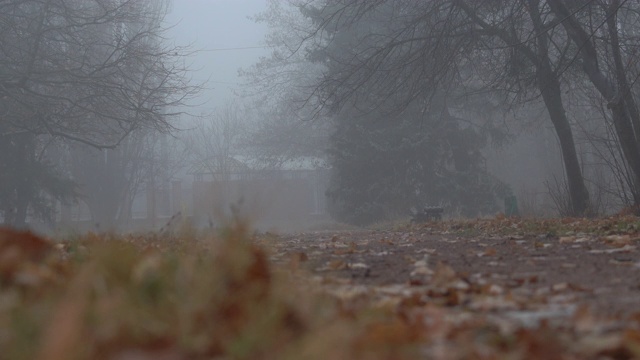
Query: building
x,y
289,195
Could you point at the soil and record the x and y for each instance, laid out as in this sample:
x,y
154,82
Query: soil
x,y
553,275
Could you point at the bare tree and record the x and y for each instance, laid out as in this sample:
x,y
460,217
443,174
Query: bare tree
x,y
280,88
216,139
394,54
89,72
546,51
609,62
109,179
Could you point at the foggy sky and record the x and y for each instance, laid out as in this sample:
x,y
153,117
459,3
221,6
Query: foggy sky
x,y
216,27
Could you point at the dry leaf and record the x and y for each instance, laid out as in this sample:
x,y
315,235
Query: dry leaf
x,y
559,287
337,265
618,240
64,333
358,266
625,248
631,340
296,259
443,275
567,239
583,319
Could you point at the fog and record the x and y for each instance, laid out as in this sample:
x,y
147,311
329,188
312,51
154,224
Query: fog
x,y
224,38
298,115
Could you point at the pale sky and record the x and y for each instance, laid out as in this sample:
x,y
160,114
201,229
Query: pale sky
x,y
216,27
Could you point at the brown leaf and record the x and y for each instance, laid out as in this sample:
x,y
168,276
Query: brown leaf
x,y
490,252
18,248
515,282
618,240
559,287
567,239
631,340
452,297
31,246
443,275
583,319
393,333
352,249
64,333
259,270
337,265
492,289
296,259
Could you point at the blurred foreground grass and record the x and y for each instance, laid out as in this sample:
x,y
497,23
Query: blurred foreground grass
x,y
175,296
189,295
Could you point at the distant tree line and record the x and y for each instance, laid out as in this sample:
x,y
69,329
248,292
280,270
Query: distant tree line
x,y
412,90
84,85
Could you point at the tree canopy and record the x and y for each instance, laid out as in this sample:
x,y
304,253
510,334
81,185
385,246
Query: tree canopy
x,y
80,71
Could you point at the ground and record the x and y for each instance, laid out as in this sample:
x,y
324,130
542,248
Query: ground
x,y
578,277
469,289
600,272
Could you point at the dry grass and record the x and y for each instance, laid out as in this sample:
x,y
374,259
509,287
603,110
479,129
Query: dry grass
x,y
176,296
188,295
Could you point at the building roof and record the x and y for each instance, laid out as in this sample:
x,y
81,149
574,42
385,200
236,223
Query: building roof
x,y
241,163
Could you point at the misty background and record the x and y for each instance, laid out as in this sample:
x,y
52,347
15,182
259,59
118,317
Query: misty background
x,y
138,115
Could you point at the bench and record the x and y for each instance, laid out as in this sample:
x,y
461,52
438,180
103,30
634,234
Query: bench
x,y
428,213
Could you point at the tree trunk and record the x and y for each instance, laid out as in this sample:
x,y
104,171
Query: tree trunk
x,y
628,143
622,117
552,96
22,182
623,106
549,85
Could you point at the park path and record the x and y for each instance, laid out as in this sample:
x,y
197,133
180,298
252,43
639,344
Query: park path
x,y
524,278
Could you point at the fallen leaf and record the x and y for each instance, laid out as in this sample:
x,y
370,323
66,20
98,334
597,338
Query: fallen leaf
x,y
559,287
337,265
64,332
421,271
296,259
583,319
618,240
358,266
490,252
631,340
567,239
625,248
493,289
443,275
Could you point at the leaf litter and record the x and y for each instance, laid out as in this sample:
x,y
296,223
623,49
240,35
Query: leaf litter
x,y
492,288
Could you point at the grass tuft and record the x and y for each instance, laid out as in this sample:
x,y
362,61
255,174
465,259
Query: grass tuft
x,y
179,295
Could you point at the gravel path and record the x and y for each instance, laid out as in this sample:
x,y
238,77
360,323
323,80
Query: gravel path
x,y
521,273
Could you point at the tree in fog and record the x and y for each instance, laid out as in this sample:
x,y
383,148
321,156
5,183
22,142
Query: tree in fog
x,y
216,139
109,179
27,176
347,82
284,126
88,72
605,35
394,53
382,166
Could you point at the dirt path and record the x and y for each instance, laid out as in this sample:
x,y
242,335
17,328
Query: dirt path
x,y
528,278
